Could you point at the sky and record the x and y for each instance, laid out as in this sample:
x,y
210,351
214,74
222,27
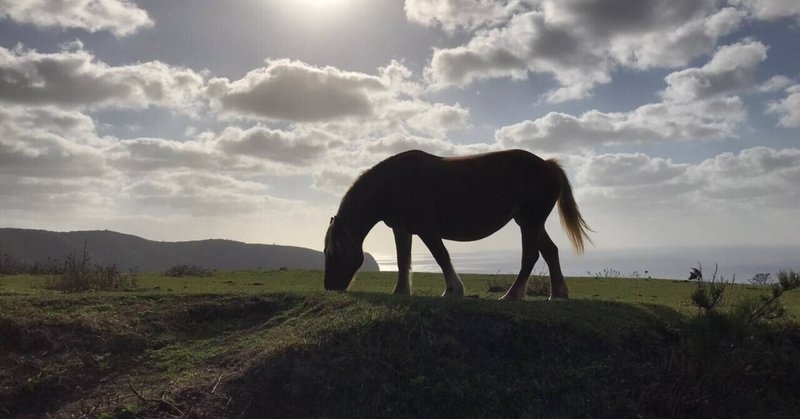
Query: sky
x,y
677,121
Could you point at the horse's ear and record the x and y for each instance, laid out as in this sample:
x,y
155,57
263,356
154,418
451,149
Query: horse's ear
x,y
332,219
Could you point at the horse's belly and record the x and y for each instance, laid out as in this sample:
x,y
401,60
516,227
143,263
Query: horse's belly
x,y
473,223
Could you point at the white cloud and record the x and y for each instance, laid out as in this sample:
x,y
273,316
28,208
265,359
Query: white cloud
x,y
199,193
697,104
580,43
788,108
335,180
628,169
148,154
527,43
74,78
83,197
438,119
770,9
120,17
453,15
48,143
400,79
758,177
397,143
559,132
775,84
299,147
295,91
732,69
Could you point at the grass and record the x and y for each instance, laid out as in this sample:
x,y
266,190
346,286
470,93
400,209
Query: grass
x,y
674,294
244,344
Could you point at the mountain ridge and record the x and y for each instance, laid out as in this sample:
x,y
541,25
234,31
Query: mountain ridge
x,y
129,251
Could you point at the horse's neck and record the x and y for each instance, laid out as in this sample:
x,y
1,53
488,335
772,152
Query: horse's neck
x,y
359,214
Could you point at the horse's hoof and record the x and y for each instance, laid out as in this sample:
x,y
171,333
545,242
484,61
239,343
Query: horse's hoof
x,y
453,294
509,297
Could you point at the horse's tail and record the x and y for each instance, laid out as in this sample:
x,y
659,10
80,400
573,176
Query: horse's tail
x,y
571,220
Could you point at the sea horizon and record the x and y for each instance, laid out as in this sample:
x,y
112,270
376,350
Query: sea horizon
x,y
739,263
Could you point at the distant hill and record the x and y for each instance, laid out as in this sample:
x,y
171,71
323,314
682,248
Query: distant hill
x,y
129,251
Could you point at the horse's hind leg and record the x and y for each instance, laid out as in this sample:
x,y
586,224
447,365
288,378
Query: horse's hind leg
x,y
530,254
558,288
454,288
402,241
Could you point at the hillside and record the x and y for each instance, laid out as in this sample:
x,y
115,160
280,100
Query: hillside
x,y
129,251
344,355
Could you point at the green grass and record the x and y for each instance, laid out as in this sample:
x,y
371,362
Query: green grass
x,y
244,344
670,293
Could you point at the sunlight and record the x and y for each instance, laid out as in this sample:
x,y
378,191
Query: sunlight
x,y
319,6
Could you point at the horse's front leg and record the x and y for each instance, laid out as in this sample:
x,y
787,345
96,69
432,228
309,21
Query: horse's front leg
x,y
402,241
530,254
454,287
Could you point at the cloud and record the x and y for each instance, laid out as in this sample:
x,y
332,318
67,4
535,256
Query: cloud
x,y
199,193
399,78
760,175
775,84
120,17
334,180
37,195
295,91
580,43
397,143
48,143
560,132
527,43
732,69
437,119
757,176
788,108
74,78
453,15
770,9
628,169
148,154
297,147
697,104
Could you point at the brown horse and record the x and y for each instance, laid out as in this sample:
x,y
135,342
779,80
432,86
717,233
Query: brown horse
x,y
459,198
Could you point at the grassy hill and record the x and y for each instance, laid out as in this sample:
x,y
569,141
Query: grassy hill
x,y
129,252
255,344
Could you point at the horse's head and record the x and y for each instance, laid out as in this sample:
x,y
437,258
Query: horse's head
x,y
343,256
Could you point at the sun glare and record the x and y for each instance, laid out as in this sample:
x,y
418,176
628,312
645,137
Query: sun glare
x,y
322,5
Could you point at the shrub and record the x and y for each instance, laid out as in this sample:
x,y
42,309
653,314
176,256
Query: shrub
x,y
83,275
708,294
606,273
538,285
179,271
12,265
761,279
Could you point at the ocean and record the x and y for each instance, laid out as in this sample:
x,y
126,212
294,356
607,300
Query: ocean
x,y
734,262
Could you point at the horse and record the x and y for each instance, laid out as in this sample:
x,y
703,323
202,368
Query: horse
x,y
455,198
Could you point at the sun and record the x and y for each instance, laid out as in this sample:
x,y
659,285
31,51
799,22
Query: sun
x,y
322,5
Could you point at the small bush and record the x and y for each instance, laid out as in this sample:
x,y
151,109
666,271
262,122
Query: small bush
x,y
179,271
83,275
708,294
538,285
771,307
12,265
761,279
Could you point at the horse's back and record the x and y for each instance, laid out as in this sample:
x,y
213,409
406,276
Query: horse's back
x,y
464,198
